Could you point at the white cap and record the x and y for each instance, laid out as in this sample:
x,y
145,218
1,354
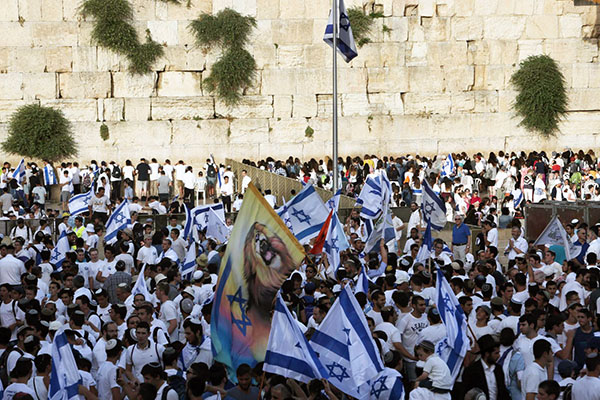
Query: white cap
x,y
198,275
55,326
401,277
159,277
189,291
90,228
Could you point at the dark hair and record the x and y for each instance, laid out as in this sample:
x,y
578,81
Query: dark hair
x,y
551,387
22,368
216,374
507,337
147,391
42,361
243,369
196,386
540,347
416,299
144,325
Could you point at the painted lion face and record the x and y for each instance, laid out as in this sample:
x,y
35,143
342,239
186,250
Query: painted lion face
x,y
265,250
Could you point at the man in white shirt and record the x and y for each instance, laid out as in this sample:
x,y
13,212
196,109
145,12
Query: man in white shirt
x,y
99,205
167,252
537,372
108,388
168,311
491,234
588,387
11,268
189,182
271,199
147,254
197,347
245,181
237,204
227,192
416,219
140,354
516,244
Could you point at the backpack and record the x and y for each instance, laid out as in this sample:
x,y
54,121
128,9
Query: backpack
x,y
116,172
567,392
4,372
211,172
176,383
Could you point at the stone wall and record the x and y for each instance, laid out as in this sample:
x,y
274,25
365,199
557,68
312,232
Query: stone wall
x,y
434,80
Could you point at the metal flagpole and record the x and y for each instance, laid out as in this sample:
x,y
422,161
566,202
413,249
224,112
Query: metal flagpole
x,y
335,19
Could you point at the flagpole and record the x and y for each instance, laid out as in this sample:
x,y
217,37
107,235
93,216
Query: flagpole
x,y
335,20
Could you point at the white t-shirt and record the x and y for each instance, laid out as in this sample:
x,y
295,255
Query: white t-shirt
x,y
40,390
67,183
586,388
409,328
532,377
128,172
171,394
100,204
168,312
439,373
107,380
393,334
492,237
137,357
15,388
147,255
9,314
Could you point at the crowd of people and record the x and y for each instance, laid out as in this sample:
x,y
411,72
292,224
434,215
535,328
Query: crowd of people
x,y
532,321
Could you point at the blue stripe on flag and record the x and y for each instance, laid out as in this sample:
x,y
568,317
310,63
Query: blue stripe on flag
x,y
291,363
330,343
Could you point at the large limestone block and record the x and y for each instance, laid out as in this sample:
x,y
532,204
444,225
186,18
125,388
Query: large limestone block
x,y
503,28
39,86
205,133
570,26
416,54
173,59
416,32
59,59
85,59
504,52
427,103
486,7
562,50
386,103
426,8
251,131
30,10
316,80
325,105
304,106
137,109
447,53
127,85
462,102
467,28
399,27
464,8
522,7
506,100
267,9
458,78
290,130
290,56
352,80
10,10
70,10
52,10
112,109
425,79
278,81
176,108
530,48
293,31
75,109
164,32
388,79
8,107
6,59
541,27
355,104
248,108
179,84
180,11
141,135
581,76
79,85
11,86
27,59
486,101
584,100
594,78
282,106
111,61
15,34
54,33
436,29
318,56
587,50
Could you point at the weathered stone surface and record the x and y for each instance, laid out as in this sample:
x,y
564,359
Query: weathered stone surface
x,y
304,106
164,32
54,33
388,79
251,131
179,84
292,31
570,26
15,34
467,28
137,109
584,100
26,59
112,109
59,59
39,86
11,86
126,85
282,106
80,85
8,107
503,28
176,108
75,109
541,27
427,103
52,10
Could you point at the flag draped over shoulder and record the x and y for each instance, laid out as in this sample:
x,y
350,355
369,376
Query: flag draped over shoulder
x,y
345,39
387,386
64,378
304,214
448,166
188,266
427,245
288,351
261,254
554,234
433,207
454,346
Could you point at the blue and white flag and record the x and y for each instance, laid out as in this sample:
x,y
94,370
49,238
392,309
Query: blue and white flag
x,y
59,252
387,386
454,346
304,214
64,378
140,287
517,197
80,203
334,202
433,207
335,242
118,221
374,197
49,176
200,214
345,346
217,229
383,228
288,352
19,172
554,234
345,39
362,284
188,226
426,247
189,263
448,166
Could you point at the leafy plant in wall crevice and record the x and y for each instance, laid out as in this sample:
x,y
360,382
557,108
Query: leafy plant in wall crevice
x,y
542,95
235,69
361,24
114,30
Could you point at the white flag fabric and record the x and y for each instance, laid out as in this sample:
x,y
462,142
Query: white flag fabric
x,y
554,234
288,352
448,166
335,242
345,346
189,263
427,245
433,207
216,228
49,176
454,346
200,214
117,221
345,39
362,284
189,230
140,288
19,172
79,204
59,252
64,378
374,197
382,228
387,386
304,214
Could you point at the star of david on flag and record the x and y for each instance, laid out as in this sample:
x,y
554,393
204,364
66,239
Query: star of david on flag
x,y
59,252
345,39
118,221
304,214
433,207
49,175
79,204
387,385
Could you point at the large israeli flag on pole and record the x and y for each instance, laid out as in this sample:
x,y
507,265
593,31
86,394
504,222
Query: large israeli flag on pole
x,y
79,204
118,220
362,284
345,39
345,346
387,386
188,266
59,252
304,214
49,176
64,378
217,229
434,209
19,172
288,351
448,166
454,346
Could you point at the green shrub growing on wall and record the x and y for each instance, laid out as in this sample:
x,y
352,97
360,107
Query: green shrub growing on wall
x,y
113,29
361,24
542,95
236,68
104,134
40,132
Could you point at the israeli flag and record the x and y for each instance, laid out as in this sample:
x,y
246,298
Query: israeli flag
x,y
345,346
140,286
454,346
304,214
434,209
216,227
362,284
288,352
554,234
517,197
345,39
64,378
448,166
335,242
334,202
188,227
118,221
374,197
200,214
19,172
387,386
79,204
383,228
49,176
59,252
427,246
189,263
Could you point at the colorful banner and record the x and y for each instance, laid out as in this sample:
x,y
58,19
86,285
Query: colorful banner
x,y
260,255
